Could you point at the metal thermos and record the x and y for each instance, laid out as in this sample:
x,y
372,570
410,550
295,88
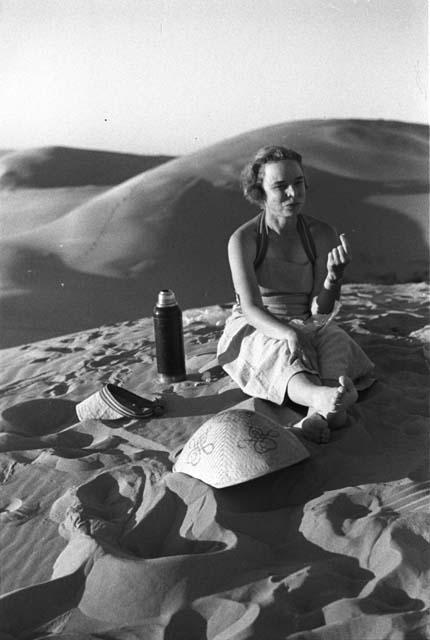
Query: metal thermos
x,y
169,338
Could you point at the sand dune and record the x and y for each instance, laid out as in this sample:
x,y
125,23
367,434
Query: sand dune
x,y
101,539
49,167
105,260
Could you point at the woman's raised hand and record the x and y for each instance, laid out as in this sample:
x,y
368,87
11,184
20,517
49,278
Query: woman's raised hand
x,y
338,259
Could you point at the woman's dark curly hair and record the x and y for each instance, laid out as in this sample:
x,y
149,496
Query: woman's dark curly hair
x,y
252,176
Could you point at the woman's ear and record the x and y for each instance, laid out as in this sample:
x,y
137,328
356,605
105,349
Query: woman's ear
x,y
257,193
261,192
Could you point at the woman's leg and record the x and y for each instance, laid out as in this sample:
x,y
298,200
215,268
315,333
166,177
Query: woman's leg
x,y
327,405
340,355
307,390
315,427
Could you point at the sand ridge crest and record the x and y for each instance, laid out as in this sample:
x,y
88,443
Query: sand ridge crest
x,y
101,259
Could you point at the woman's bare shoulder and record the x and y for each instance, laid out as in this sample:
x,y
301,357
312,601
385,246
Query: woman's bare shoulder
x,y
247,232
321,230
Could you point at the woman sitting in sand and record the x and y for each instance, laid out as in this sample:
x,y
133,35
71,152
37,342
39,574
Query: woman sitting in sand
x,y
280,342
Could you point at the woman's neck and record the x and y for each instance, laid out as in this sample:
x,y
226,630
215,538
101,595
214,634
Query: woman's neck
x,y
280,223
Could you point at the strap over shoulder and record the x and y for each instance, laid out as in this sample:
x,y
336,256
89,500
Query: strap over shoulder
x,y
304,233
261,240
306,238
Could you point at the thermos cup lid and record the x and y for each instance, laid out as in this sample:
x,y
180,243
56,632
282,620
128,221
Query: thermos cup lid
x,y
166,298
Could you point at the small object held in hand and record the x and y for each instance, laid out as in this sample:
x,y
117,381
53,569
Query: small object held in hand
x,y
337,260
345,244
169,338
116,403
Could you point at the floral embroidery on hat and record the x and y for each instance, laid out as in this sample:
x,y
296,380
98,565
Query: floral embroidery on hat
x,y
199,446
261,441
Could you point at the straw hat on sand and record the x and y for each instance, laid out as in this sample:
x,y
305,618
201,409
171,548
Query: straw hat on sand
x,y
238,445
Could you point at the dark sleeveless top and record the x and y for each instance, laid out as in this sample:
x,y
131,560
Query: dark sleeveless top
x,y
303,231
295,303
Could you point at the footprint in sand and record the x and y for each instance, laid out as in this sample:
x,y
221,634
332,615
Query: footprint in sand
x,y
18,511
64,349
94,335
59,389
368,509
123,358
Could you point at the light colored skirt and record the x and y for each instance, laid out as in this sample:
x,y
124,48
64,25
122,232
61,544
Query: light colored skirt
x,y
259,364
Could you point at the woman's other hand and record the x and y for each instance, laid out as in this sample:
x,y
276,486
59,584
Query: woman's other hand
x,y
338,259
297,346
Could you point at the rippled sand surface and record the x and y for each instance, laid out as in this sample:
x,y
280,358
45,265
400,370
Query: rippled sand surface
x,y
98,536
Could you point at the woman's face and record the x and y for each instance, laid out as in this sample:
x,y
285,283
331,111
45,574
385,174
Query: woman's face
x,y
284,187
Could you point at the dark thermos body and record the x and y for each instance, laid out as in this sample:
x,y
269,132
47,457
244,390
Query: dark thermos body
x,y
169,338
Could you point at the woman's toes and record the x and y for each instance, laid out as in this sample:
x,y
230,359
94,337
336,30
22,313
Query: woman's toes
x,y
315,428
347,383
346,394
340,397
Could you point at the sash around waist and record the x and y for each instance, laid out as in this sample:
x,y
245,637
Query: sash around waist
x,y
287,305
293,305
285,299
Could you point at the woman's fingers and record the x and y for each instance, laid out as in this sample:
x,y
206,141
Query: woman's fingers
x,y
331,258
306,360
293,357
300,354
338,256
296,354
297,347
343,256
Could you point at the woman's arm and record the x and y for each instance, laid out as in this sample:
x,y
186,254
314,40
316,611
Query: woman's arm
x,y
332,260
241,254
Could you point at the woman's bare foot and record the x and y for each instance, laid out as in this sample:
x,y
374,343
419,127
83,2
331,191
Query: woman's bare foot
x,y
349,396
315,427
331,402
